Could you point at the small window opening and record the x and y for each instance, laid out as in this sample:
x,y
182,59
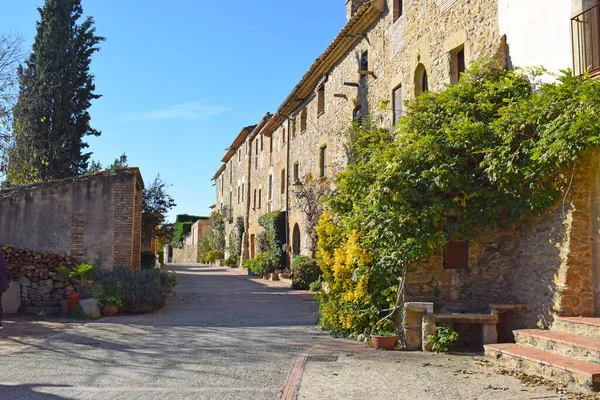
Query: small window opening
x,y
456,255
321,100
323,162
303,118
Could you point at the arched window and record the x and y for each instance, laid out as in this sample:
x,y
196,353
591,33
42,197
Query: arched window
x,y
421,80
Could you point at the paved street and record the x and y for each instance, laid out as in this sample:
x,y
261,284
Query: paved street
x,y
227,336
224,336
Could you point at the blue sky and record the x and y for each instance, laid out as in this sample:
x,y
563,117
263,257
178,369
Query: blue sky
x,y
179,79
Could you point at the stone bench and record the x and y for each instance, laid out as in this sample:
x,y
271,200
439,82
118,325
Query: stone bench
x,y
420,321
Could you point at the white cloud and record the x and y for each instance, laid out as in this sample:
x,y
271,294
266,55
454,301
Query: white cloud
x,y
195,110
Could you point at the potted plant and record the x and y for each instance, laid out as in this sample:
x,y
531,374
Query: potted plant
x,y
109,302
82,274
384,336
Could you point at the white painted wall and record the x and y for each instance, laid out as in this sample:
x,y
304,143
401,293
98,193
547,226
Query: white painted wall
x,y
538,32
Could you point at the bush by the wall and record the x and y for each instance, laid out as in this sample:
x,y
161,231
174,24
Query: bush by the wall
x,y
148,260
305,271
141,291
212,256
232,261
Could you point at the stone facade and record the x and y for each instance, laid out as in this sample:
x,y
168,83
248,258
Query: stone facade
x,y
189,253
94,218
384,56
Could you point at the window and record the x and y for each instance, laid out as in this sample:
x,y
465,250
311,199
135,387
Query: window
x,y
259,198
456,255
357,114
303,117
321,99
261,143
239,196
239,154
323,162
421,80
222,185
230,173
243,195
256,154
294,127
457,64
364,64
425,82
397,104
283,181
254,204
296,172
397,9
270,189
283,136
271,144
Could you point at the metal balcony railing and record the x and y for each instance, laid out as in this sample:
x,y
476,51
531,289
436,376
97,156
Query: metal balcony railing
x,y
585,29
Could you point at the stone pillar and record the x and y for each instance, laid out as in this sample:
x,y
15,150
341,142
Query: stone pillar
x,y
429,328
418,324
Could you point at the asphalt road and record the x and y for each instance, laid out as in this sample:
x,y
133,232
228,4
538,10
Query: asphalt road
x,y
223,336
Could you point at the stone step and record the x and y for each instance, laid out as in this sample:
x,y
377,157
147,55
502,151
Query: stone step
x,y
574,346
548,365
582,326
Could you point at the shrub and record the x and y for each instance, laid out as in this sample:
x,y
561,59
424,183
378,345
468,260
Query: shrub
x,y
316,286
212,256
141,291
444,340
148,260
305,271
232,261
261,264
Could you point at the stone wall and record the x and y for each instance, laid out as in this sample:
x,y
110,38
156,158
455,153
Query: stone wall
x,y
548,263
186,255
42,288
94,218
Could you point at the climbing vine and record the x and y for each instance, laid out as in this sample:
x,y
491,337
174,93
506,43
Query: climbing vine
x,y
483,153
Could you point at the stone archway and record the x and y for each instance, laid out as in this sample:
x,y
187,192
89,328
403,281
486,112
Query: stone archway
x,y
296,241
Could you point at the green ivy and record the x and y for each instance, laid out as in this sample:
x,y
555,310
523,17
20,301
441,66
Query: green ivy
x,y
483,153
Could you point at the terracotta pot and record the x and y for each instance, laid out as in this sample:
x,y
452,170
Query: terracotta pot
x,y
110,309
74,299
384,342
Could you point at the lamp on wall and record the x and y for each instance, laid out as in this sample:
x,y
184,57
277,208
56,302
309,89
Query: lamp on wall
x,y
298,186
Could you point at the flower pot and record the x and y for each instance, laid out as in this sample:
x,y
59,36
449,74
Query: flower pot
x,y
110,309
74,299
384,342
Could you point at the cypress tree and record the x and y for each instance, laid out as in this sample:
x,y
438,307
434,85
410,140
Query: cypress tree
x,y
51,118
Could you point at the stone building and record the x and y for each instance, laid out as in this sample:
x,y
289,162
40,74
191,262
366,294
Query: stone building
x,y
94,218
390,51
189,252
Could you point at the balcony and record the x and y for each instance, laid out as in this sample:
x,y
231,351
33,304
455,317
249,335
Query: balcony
x,y
585,29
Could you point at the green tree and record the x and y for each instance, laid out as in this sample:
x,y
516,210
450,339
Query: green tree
x,y
156,203
119,163
56,89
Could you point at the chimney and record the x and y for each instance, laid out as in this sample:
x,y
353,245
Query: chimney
x,y
352,6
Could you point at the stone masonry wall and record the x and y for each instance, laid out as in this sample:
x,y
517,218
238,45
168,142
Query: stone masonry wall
x,y
186,255
546,263
37,273
94,218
